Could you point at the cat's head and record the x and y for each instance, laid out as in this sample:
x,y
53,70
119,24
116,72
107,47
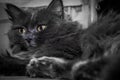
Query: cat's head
x,y
35,27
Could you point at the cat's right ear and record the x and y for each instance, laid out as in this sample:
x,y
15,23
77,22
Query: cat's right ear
x,y
57,7
13,11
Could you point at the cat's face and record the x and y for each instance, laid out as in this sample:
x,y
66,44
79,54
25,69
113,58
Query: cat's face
x,y
35,27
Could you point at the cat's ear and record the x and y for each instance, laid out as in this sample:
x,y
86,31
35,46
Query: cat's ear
x,y
14,12
57,7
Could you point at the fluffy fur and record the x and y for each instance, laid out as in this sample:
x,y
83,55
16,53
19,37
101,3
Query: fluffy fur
x,y
99,45
64,41
20,45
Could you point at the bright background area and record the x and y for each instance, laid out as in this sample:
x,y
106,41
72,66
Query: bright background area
x,y
34,3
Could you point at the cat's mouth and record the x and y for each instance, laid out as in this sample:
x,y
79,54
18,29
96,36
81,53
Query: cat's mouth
x,y
31,44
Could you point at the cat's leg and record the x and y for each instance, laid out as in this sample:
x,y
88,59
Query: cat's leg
x,y
54,67
93,69
51,67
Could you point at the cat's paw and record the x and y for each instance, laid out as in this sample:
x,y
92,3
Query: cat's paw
x,y
45,67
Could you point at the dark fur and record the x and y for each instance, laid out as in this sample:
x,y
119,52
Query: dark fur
x,y
64,40
31,20
97,44
105,32
102,68
51,16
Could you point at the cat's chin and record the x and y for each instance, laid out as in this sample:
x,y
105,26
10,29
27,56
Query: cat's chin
x,y
32,44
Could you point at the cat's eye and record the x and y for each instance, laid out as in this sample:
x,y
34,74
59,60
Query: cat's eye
x,y
41,27
21,30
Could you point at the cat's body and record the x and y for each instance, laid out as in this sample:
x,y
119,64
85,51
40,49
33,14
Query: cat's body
x,y
102,68
45,35
99,45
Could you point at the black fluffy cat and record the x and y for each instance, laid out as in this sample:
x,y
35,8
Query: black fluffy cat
x,y
44,31
31,30
56,48
98,59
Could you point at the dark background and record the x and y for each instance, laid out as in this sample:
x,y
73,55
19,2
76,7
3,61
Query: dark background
x,y
107,5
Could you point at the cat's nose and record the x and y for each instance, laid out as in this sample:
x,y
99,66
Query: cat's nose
x,y
28,40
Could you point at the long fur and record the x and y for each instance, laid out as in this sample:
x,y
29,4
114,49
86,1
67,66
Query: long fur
x,y
99,45
66,41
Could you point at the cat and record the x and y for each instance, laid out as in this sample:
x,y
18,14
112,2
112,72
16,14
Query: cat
x,y
31,29
32,32
99,59
57,40
28,26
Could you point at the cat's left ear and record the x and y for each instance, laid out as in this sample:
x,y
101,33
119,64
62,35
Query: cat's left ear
x,y
14,12
57,7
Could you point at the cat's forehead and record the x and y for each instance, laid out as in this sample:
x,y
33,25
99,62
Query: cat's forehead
x,y
32,18
35,18
43,15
